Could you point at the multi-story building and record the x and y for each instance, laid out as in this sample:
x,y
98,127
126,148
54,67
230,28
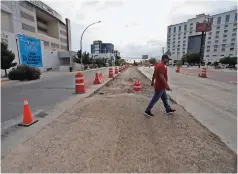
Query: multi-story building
x,y
221,41
98,47
37,20
116,53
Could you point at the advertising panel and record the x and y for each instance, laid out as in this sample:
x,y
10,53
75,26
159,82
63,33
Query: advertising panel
x,y
30,51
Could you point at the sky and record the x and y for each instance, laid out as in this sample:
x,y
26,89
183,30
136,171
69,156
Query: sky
x,y
135,27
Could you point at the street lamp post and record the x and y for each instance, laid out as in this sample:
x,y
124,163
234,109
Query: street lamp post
x,y
81,45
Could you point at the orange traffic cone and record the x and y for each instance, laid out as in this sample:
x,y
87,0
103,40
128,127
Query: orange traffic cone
x,y
27,116
110,73
97,79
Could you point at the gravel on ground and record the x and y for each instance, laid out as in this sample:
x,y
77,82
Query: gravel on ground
x,y
107,132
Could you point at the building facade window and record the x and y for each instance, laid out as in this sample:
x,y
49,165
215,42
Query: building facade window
x,y
27,16
225,31
224,40
26,5
218,27
64,47
215,50
174,29
54,45
234,34
28,27
208,42
217,32
226,26
63,33
231,49
63,40
216,41
185,27
46,43
233,39
223,49
219,20
169,30
235,29
235,20
215,46
227,18
217,37
179,28
209,38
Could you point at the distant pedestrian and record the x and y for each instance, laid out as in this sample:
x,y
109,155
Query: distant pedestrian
x,y
160,77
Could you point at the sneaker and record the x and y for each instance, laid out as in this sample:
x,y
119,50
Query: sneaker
x,y
148,114
170,111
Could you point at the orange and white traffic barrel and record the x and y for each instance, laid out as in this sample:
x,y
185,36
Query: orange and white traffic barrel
x,y
79,83
137,86
203,72
111,73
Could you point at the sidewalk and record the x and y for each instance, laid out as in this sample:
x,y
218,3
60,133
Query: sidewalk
x,y
212,103
108,132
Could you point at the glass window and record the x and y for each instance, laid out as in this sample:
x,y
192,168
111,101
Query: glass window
x,y
179,38
185,27
224,40
235,29
227,18
190,32
191,24
207,55
235,17
217,32
215,50
233,39
217,37
208,42
208,50
179,28
178,45
219,20
169,30
231,49
225,31
210,33
178,41
184,37
223,49
216,41
184,41
234,34
232,44
226,26
208,46
174,29
223,45
209,38
218,27
215,46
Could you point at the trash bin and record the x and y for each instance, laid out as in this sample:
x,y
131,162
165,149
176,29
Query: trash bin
x,y
70,69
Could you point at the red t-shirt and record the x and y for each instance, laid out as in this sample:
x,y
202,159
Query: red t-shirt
x,y
160,68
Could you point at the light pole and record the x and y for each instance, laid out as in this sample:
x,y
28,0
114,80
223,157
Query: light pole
x,y
81,45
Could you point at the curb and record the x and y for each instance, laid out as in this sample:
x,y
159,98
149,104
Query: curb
x,y
171,99
12,135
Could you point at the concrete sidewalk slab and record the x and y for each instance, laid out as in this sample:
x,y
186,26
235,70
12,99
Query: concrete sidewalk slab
x,y
212,103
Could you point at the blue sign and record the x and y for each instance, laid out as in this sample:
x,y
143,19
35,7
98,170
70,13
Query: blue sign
x,y
30,51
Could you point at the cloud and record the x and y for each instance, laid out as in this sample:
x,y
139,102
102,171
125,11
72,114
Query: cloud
x,y
113,3
90,3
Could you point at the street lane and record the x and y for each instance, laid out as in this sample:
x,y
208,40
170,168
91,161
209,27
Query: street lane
x,y
213,103
42,94
223,76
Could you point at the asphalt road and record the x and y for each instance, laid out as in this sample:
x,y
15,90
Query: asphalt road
x,y
218,75
42,94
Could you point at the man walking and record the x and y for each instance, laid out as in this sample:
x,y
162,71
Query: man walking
x,y
161,85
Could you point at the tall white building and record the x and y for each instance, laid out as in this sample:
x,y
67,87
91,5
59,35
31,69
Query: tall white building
x,y
38,20
221,41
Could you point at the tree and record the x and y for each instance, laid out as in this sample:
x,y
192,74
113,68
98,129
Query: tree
x,y
191,58
152,61
7,58
229,60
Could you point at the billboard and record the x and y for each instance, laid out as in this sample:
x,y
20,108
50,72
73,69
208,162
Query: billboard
x,y
205,26
144,56
194,43
30,51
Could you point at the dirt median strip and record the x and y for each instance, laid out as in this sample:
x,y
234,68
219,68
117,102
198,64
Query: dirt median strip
x,y
109,133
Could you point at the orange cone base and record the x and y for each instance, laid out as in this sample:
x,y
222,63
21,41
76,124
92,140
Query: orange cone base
x,y
27,125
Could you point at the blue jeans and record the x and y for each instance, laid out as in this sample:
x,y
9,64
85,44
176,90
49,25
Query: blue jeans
x,y
156,97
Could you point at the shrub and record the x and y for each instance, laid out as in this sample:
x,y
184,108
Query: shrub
x,y
24,72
